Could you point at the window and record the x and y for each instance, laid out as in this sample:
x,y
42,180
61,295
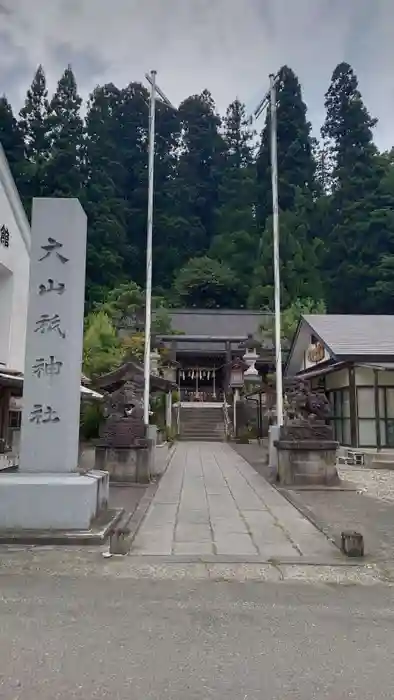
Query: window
x,y
340,402
366,422
386,415
14,420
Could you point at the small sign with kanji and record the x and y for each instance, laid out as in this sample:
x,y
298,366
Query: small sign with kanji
x,y
4,236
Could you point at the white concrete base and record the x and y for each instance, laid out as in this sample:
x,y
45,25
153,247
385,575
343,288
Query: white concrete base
x,y
52,501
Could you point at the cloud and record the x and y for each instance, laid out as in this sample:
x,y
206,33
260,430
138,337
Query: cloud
x,y
227,46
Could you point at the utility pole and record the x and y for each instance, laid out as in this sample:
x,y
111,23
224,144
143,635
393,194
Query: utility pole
x,y
269,102
155,91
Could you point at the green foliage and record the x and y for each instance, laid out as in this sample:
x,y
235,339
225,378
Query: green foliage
x,y
35,130
207,283
296,164
124,307
297,184
212,226
65,170
91,420
299,260
11,137
103,349
235,243
291,316
360,219
199,171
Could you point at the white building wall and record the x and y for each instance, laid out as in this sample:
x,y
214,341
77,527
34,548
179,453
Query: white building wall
x,y
14,272
364,376
337,380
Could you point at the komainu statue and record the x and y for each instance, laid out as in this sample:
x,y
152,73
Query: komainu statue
x,y
124,416
304,402
307,412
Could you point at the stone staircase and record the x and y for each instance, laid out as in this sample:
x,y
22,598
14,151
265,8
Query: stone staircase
x,y
202,422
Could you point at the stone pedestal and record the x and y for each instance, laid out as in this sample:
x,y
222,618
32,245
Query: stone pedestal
x,y
127,464
307,454
307,462
52,501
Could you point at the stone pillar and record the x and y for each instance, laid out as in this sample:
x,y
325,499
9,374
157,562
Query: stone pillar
x,y
48,493
52,383
154,362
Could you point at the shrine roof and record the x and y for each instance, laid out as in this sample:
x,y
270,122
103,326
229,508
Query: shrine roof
x,y
219,323
132,370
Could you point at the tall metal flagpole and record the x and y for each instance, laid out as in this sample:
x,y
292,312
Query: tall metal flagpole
x,y
275,211
148,290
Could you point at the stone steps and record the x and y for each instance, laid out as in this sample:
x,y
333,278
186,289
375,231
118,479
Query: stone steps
x,y
202,424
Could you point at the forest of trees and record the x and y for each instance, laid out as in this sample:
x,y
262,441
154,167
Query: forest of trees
x,y
212,220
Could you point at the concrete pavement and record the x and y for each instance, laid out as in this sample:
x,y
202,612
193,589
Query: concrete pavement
x,y
210,502
84,638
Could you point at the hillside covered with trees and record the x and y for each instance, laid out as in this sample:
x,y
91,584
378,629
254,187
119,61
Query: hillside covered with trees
x,y
212,221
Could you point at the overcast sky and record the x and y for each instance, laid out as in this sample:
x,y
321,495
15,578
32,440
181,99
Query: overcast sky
x,y
227,46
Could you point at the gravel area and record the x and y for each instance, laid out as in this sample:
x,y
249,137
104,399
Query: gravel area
x,y
369,509
378,483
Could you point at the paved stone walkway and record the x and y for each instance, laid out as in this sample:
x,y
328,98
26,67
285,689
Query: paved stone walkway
x,y
211,502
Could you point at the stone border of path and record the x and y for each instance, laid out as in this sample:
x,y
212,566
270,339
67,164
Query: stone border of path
x,y
254,457
295,501
88,562
135,521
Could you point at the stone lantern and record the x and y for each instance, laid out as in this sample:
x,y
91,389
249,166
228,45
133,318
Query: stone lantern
x,y
250,357
155,356
168,370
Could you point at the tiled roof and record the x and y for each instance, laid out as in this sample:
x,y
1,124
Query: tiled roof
x,y
354,335
216,322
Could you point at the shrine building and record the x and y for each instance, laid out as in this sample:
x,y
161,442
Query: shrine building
x,y
206,342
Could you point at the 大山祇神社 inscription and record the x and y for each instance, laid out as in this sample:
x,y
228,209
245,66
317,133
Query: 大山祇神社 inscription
x,y
46,324
53,246
45,415
51,286
52,385
4,236
48,367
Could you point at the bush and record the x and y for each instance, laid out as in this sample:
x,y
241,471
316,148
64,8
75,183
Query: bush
x,y
91,420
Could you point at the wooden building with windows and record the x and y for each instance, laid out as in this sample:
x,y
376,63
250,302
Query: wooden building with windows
x,y
352,359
